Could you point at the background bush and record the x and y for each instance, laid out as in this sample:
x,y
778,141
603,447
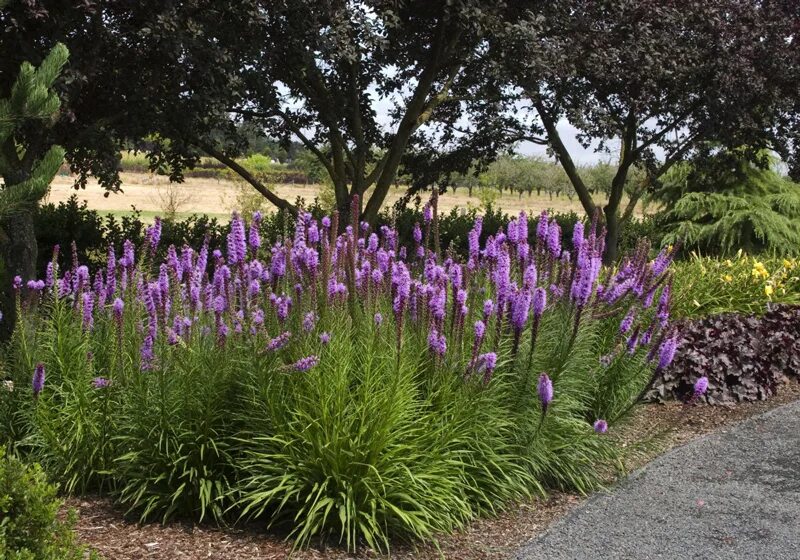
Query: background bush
x,y
707,285
30,528
745,357
727,203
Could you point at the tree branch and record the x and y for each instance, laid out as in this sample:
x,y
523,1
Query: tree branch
x,y
563,155
247,176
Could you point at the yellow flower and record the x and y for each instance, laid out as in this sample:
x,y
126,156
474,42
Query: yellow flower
x,y
728,263
727,278
768,290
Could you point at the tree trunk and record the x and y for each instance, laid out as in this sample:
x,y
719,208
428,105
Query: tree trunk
x,y
612,235
18,252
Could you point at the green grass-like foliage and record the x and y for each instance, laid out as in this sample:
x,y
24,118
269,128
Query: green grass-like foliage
x,y
380,438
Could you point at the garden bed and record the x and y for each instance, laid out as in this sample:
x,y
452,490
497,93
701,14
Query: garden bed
x,y
103,527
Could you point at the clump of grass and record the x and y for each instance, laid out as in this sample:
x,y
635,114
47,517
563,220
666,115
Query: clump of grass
x,y
338,385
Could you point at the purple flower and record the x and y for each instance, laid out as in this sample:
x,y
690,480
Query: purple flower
x,y
128,254
661,262
255,238
488,309
437,303
100,382
279,341
49,275
237,246
539,302
577,235
541,228
325,338
545,390
427,213
254,288
487,362
305,364
309,321
520,308
417,233
627,321
662,312
554,239
600,426
117,308
530,277
88,311
437,342
522,228
480,330
667,353
378,319
326,222
38,379
700,387
146,353
153,233
401,287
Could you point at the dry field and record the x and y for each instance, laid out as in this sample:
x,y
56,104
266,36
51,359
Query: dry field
x,y
219,197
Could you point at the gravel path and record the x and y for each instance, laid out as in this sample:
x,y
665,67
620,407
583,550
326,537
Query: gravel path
x,y
732,495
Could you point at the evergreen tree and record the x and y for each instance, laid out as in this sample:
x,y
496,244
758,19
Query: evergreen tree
x,y
729,203
31,103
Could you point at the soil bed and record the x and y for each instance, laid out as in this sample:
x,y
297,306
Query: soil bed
x,y
103,528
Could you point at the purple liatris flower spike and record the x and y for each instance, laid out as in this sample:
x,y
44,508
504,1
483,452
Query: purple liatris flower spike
x,y
545,390
627,321
49,275
554,239
255,238
487,362
38,379
153,233
541,228
667,353
480,330
539,302
237,246
88,311
600,426
488,309
662,312
325,338
117,308
437,343
577,235
378,319
100,382
279,341
305,364
309,320
520,308
700,387
530,277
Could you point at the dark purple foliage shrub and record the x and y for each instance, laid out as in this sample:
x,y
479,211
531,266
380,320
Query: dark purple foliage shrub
x,y
745,357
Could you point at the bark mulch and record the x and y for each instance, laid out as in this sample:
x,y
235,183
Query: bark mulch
x,y
103,528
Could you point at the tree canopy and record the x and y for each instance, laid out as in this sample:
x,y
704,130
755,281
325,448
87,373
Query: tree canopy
x,y
654,81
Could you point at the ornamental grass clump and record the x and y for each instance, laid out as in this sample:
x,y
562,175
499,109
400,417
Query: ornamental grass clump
x,y
338,385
